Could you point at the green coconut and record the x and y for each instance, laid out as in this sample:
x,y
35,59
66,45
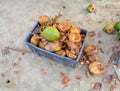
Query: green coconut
x,y
118,35
51,33
117,26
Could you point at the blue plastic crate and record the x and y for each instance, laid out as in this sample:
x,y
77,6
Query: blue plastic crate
x,y
41,52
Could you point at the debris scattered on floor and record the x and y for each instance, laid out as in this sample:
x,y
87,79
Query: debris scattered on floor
x,y
115,54
97,68
5,51
16,72
111,81
62,74
89,74
3,75
89,58
117,70
8,81
78,77
11,86
91,33
112,87
15,64
100,42
65,85
65,80
96,85
101,50
90,50
43,71
19,58
63,7
23,52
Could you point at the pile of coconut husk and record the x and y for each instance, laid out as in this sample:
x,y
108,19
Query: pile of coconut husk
x,y
62,38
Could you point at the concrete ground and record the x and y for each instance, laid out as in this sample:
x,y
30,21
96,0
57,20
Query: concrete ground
x,y
29,72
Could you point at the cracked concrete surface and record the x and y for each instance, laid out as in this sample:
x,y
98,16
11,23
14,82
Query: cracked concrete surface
x,y
17,17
